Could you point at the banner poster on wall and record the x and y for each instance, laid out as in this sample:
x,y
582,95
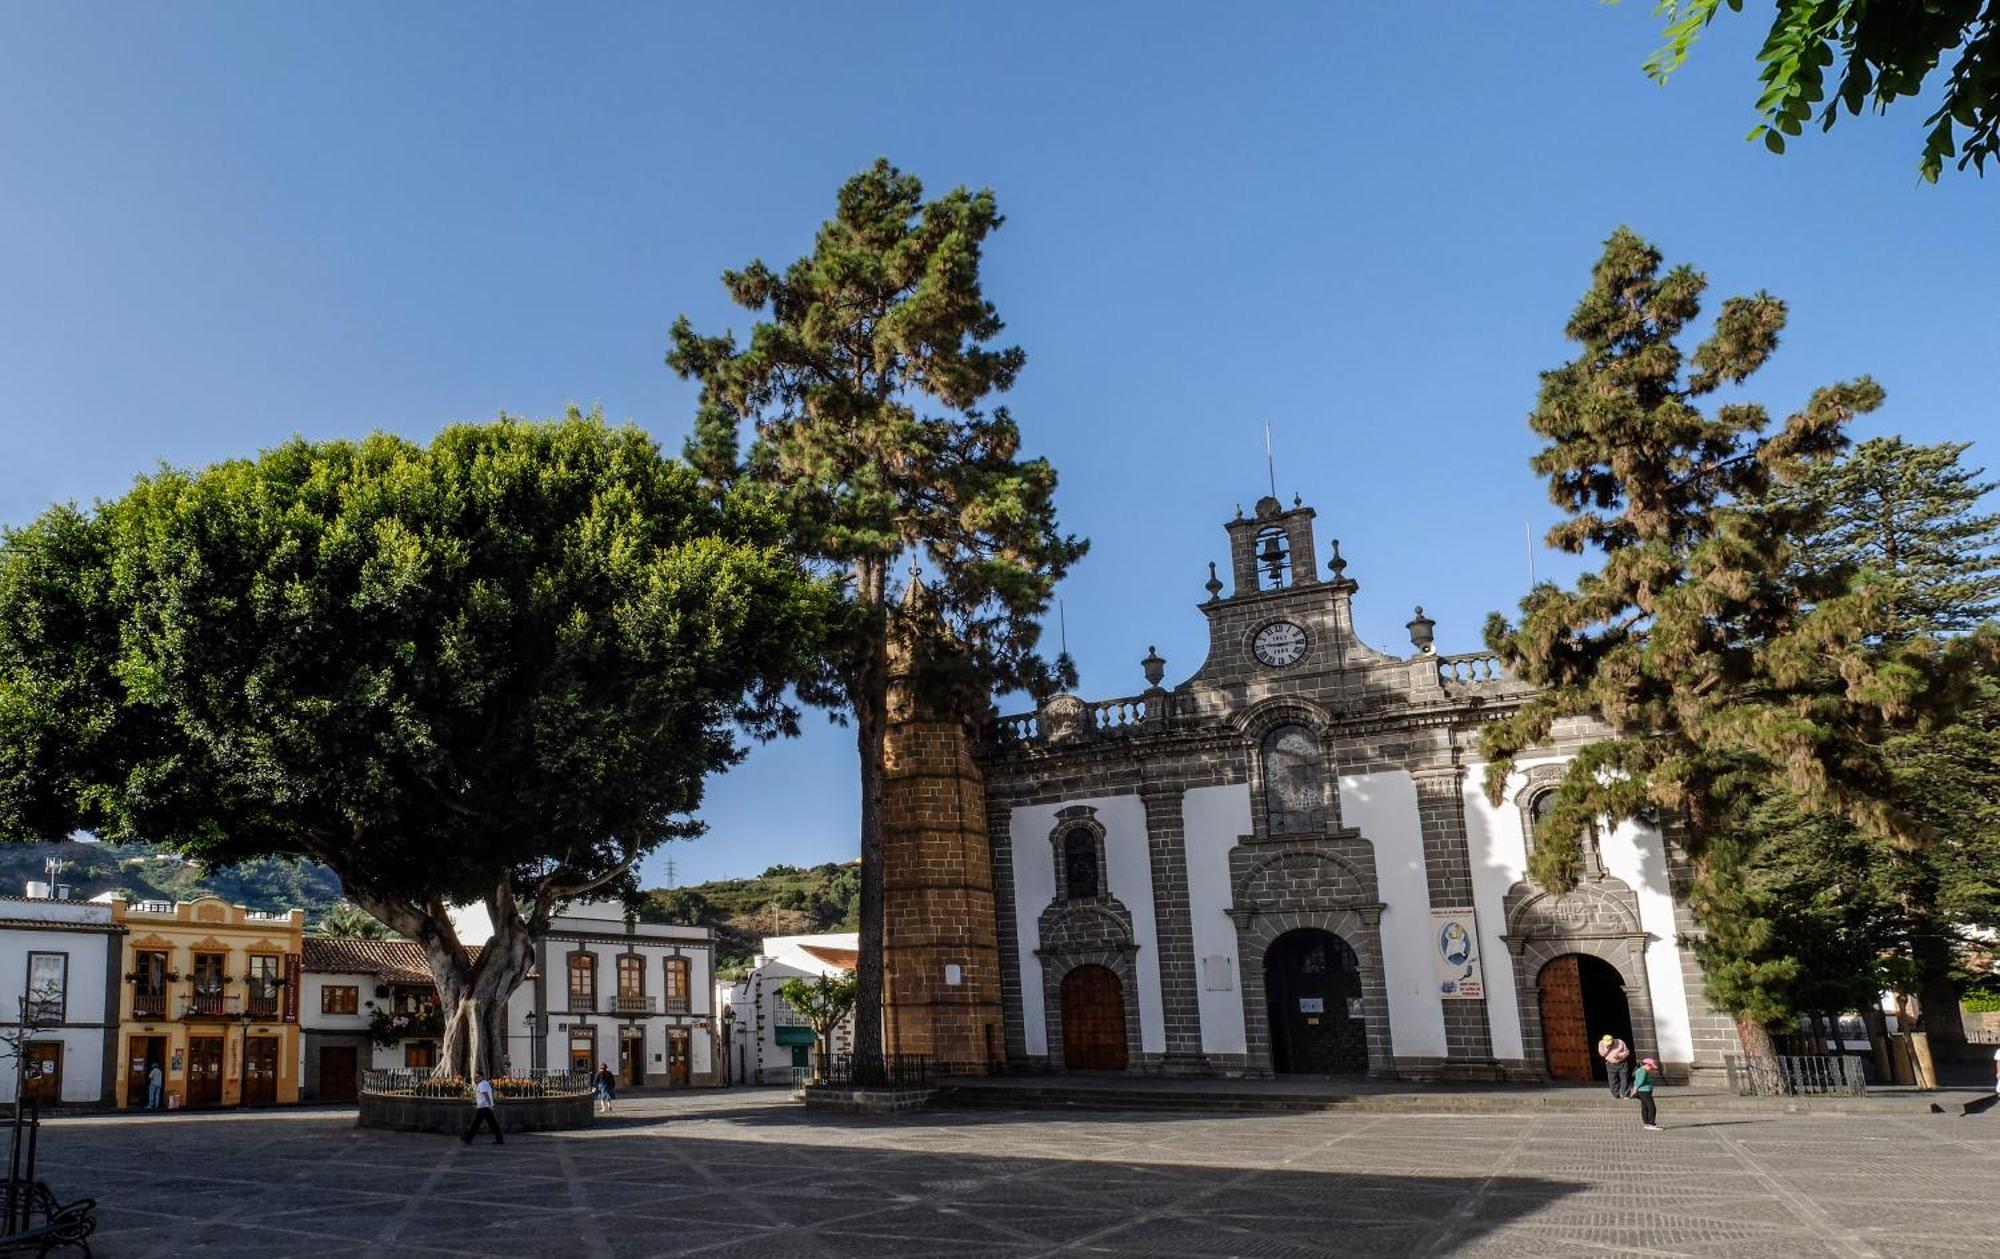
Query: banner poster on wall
x,y
1455,954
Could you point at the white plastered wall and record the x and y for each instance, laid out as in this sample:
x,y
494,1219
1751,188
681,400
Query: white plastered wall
x,y
1383,807
1632,852
1129,867
1212,820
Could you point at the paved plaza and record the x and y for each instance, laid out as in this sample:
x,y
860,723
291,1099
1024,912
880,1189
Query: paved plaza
x,y
747,1173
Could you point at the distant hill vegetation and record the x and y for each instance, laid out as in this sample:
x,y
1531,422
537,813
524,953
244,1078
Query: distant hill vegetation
x,y
145,873
784,900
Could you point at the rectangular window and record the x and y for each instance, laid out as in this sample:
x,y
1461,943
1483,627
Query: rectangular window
x,y
340,999
48,987
677,985
209,981
149,984
262,982
631,978
582,981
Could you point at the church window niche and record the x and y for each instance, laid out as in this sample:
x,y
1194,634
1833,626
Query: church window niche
x,y
1079,865
1535,812
1294,782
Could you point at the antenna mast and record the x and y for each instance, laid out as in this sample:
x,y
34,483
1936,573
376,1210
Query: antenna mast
x,y
1528,543
1270,464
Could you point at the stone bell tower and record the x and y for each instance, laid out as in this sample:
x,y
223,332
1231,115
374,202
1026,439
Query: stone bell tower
x,y
940,956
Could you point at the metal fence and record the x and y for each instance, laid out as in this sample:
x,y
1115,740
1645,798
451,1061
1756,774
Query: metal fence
x,y
424,1082
1817,1075
887,1070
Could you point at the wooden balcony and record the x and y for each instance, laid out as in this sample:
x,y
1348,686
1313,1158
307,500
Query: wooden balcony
x,y
631,1003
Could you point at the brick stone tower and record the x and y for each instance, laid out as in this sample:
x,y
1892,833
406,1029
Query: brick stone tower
x,y
940,953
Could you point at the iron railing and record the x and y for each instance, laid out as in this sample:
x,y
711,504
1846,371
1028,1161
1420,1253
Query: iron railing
x,y
1786,1075
209,1004
149,1005
883,1071
514,1086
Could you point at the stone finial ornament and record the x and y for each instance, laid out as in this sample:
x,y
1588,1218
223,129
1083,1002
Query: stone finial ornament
x,y
1337,564
1154,665
1422,631
1214,584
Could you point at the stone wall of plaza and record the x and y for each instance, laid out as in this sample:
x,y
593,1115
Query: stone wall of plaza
x,y
1302,782
209,992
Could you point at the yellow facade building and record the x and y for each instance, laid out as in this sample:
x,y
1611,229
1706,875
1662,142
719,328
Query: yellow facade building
x,y
210,996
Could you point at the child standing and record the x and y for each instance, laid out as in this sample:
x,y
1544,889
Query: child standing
x,y
1642,1084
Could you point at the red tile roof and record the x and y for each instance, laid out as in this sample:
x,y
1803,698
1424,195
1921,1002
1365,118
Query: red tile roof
x,y
845,959
393,961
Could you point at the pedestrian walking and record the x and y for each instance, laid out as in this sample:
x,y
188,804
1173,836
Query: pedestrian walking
x,y
1617,1057
1642,1084
607,1088
156,1084
482,1110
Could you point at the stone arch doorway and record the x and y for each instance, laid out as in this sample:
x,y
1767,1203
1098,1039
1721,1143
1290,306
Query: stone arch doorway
x,y
1093,1020
1582,998
1312,989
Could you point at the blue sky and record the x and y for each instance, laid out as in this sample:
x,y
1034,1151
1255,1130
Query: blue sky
x,y
1365,225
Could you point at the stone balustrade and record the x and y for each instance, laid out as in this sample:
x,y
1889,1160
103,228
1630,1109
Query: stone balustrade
x,y
1472,668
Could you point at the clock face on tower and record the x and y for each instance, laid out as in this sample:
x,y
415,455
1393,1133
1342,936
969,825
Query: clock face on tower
x,y
1278,644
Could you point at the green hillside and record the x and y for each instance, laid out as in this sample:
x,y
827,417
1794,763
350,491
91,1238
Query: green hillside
x,y
145,873
784,900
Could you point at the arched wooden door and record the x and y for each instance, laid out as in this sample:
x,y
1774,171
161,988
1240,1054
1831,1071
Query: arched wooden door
x,y
1093,1015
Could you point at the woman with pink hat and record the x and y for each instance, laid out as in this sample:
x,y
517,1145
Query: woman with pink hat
x,y
1642,1085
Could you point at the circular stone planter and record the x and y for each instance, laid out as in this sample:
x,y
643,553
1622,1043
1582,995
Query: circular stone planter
x,y
400,1112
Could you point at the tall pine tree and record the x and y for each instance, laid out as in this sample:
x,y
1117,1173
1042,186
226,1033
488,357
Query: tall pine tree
x,y
1911,518
862,388
1723,669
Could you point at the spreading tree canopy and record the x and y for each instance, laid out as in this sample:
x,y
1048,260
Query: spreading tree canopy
x,y
494,669
1875,52
863,387
1725,670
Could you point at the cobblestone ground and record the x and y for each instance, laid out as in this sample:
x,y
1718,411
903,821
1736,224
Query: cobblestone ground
x,y
746,1173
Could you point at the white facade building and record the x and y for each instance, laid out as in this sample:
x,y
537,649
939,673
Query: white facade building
x,y
1288,863
62,955
768,1040
606,988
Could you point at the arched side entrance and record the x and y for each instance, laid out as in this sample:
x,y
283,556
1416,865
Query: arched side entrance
x,y
1312,989
1093,1020
1581,998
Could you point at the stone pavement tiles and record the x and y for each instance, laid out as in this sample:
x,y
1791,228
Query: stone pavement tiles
x,y
747,1173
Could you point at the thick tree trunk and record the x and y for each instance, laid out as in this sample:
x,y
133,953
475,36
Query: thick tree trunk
x,y
472,996
870,697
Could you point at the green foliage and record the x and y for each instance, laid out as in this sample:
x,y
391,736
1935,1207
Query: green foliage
x,y
784,900
822,1002
862,387
1876,52
1728,673
147,872
346,920
497,667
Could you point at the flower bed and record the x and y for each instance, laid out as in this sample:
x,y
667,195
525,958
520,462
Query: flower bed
x,y
427,1101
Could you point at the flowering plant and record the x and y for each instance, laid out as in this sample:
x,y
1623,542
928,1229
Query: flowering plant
x,y
388,1027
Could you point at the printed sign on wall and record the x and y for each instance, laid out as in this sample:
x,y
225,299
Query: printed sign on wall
x,y
1455,953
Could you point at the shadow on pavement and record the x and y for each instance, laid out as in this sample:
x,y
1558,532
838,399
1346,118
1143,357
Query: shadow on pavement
x,y
295,1188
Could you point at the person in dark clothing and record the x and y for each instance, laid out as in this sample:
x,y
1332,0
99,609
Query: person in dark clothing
x,y
482,1111
1642,1085
607,1087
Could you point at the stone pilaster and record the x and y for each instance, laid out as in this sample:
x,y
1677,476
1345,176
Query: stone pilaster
x,y
1448,874
1173,926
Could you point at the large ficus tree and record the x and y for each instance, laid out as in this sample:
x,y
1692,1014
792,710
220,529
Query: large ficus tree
x,y
862,390
493,669
1725,670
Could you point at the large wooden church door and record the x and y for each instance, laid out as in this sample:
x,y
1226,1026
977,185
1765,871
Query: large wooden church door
x,y
1093,1015
1565,1033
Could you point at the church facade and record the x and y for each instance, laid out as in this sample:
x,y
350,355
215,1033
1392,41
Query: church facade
x,y
1285,863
